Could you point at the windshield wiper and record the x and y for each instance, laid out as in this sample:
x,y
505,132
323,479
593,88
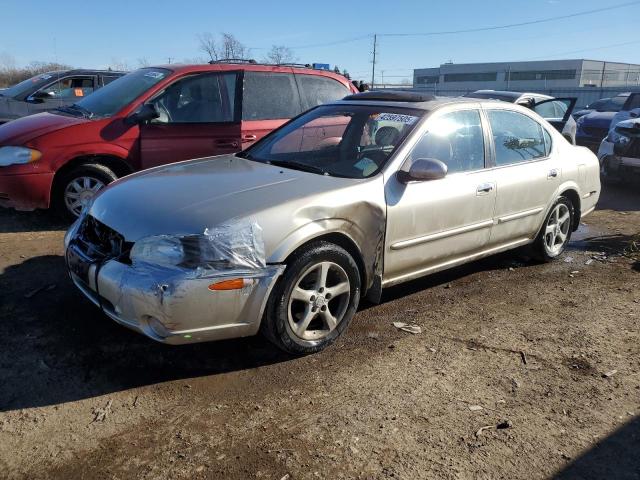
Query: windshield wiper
x,y
298,166
85,113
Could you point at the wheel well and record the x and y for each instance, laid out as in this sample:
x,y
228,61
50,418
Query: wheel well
x,y
115,164
344,242
573,196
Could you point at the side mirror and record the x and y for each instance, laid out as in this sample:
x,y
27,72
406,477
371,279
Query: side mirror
x,y
422,170
145,113
40,96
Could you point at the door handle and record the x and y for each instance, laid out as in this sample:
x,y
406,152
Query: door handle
x,y
484,188
227,143
249,138
553,173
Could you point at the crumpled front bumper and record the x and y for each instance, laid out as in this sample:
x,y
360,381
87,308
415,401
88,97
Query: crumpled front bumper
x,y
171,307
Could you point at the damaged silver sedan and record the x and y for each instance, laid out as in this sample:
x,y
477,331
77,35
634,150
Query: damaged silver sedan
x,y
348,198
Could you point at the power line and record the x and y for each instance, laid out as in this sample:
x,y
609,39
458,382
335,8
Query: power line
x,y
587,49
512,25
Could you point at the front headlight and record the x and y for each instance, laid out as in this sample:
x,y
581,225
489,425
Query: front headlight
x,y
615,137
18,156
164,250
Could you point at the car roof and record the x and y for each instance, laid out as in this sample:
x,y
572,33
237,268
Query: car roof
x,y
84,71
507,95
250,66
402,99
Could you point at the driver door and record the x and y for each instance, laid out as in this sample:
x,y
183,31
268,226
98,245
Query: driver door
x,y
198,118
433,224
65,91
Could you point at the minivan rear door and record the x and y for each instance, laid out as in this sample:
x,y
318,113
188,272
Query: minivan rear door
x,y
199,116
270,99
556,111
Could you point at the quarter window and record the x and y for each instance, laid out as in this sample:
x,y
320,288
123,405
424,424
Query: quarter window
x,y
517,137
454,138
316,90
270,96
204,98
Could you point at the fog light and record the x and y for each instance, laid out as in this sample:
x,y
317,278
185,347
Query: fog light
x,y
157,327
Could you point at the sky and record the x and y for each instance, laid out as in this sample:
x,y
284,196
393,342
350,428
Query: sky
x,y
116,32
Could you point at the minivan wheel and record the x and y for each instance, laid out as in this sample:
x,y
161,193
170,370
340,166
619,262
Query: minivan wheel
x,y
556,231
76,189
314,301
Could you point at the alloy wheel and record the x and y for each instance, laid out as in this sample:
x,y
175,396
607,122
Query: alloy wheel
x,y
318,301
556,231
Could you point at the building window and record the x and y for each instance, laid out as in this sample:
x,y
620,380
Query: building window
x,y
471,77
428,79
543,75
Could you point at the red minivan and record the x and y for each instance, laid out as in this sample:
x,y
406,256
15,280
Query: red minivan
x,y
151,117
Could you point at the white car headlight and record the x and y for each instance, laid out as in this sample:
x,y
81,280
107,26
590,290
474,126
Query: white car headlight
x,y
18,156
162,250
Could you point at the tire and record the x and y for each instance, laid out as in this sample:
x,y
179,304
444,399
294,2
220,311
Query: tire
x,y
314,302
85,180
607,175
556,231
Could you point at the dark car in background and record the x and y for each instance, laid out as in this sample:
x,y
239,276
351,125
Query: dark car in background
x,y
557,111
612,104
51,90
148,118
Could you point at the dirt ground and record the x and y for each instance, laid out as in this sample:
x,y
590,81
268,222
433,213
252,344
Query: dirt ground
x,y
546,357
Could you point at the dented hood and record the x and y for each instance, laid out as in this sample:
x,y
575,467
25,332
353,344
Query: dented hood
x,y
188,197
18,132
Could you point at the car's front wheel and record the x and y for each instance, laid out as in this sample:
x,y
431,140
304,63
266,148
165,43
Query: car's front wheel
x,y
75,190
314,301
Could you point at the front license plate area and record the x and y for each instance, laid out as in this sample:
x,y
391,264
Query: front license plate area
x,y
78,263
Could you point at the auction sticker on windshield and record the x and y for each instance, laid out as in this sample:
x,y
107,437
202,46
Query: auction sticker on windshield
x,y
395,117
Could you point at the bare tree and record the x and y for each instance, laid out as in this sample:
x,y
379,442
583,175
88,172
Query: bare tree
x,y
209,45
118,64
280,54
227,47
143,62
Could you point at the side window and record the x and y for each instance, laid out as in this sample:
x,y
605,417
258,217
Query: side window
x,y
454,138
70,88
517,137
316,90
546,110
270,96
204,98
107,79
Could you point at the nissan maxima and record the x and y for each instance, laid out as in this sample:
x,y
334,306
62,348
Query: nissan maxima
x,y
351,197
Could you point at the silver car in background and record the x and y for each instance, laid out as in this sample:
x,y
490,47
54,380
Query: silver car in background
x,y
345,200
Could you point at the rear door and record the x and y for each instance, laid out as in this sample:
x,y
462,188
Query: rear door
x,y
526,173
556,111
269,99
199,117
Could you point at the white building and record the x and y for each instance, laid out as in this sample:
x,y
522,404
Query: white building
x,y
527,76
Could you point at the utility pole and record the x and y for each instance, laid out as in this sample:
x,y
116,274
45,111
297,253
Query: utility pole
x,y
373,70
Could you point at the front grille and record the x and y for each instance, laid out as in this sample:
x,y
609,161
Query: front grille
x,y
99,242
596,131
633,150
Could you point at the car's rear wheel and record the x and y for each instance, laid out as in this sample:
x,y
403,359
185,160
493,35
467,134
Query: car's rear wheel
x,y
314,301
556,232
75,189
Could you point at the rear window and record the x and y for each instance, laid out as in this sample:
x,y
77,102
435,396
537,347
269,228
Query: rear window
x,y
270,96
316,90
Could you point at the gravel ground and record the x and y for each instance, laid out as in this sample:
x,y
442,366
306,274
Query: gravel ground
x,y
521,370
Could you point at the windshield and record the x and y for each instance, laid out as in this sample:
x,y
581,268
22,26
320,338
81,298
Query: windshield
x,y
112,98
30,85
350,141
